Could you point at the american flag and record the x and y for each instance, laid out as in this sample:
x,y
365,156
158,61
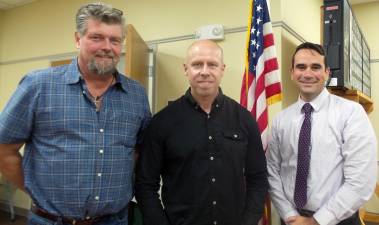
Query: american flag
x,y
261,83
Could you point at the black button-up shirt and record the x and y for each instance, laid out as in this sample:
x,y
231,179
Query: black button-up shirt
x,y
212,165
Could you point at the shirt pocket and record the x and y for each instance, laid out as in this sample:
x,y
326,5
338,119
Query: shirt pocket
x,y
125,126
234,144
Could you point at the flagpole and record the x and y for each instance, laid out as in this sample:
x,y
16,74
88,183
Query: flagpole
x,y
247,50
260,49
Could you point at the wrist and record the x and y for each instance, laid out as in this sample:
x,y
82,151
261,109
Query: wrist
x,y
314,221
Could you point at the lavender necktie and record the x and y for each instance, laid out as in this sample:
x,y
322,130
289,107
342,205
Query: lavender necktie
x,y
303,158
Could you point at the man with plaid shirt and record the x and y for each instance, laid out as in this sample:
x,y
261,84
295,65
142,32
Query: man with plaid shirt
x,y
80,124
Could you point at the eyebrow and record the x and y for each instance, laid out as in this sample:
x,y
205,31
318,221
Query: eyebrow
x,y
313,64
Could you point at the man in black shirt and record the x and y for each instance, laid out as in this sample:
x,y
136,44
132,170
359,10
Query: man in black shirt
x,y
208,151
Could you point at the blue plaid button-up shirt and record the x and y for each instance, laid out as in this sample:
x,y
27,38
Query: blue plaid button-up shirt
x,y
77,162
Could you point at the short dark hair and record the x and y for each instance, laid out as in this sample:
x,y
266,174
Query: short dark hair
x,y
311,46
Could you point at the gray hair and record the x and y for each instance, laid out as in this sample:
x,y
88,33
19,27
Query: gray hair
x,y
100,12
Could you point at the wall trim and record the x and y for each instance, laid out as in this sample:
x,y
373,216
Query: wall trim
x,y
54,57
281,24
289,29
152,43
18,211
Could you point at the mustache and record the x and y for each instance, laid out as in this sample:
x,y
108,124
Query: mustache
x,y
104,54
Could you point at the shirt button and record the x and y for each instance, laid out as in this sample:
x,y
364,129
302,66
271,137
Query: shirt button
x,y
209,116
216,105
88,217
101,151
211,158
213,180
97,198
215,222
84,92
214,202
101,130
210,137
99,174
235,136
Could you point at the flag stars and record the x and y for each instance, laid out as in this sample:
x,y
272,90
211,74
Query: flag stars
x,y
259,8
259,20
256,52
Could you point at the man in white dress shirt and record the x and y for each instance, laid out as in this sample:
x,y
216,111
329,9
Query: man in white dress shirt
x,y
342,150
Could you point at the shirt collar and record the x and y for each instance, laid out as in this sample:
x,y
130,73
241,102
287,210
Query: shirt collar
x,y
217,102
316,103
73,76
122,81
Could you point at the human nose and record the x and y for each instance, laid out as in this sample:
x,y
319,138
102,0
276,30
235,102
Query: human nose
x,y
107,45
308,72
204,70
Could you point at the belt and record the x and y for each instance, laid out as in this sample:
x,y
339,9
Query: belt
x,y
42,213
305,212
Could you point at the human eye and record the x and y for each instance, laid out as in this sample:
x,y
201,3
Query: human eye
x,y
95,38
300,67
116,41
196,64
213,65
316,67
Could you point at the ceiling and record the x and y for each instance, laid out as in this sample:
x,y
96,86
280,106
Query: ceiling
x,y
9,4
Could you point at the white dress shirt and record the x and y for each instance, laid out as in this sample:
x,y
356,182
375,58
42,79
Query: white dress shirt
x,y
342,173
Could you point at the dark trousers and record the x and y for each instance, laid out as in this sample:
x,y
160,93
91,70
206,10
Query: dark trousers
x,y
352,220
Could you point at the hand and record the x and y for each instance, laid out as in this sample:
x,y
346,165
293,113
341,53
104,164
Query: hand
x,y
290,219
301,220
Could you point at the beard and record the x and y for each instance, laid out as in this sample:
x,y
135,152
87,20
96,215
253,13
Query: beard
x,y
105,67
